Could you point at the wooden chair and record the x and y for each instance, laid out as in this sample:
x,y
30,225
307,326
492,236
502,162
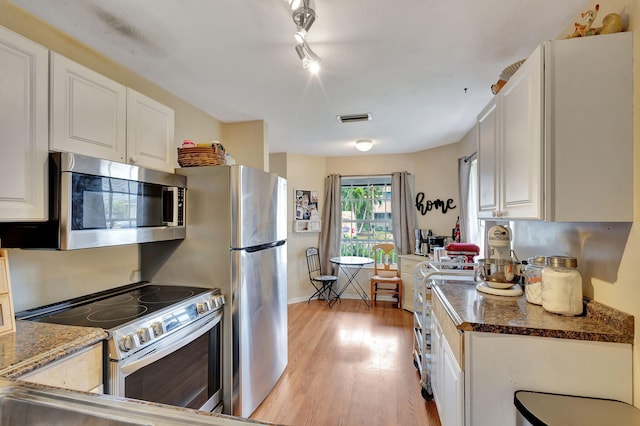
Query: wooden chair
x,y
386,278
322,283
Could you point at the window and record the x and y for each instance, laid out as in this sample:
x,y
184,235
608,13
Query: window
x,y
475,228
366,214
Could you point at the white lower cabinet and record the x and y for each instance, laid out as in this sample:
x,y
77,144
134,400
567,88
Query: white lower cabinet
x,y
475,374
497,365
408,264
81,371
453,388
447,377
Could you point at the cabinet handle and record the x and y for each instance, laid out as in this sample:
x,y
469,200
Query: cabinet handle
x,y
494,213
133,160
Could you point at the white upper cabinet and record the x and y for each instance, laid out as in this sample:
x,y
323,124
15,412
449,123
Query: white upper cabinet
x,y
487,168
24,123
88,111
150,132
556,143
96,116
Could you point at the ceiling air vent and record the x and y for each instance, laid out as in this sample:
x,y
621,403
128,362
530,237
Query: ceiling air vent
x,y
353,118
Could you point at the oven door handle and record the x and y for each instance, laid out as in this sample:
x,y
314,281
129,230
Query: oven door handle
x,y
175,342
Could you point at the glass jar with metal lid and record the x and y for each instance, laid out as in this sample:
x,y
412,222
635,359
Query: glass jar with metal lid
x,y
562,286
533,279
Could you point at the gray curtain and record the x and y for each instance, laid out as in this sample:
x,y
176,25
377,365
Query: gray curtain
x,y
403,213
329,244
464,167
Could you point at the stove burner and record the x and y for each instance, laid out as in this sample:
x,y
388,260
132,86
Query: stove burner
x,y
115,300
80,311
166,296
117,313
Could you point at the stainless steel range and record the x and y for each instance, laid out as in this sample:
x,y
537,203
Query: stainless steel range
x,y
165,341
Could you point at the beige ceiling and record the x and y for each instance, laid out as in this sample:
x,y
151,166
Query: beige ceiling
x,y
422,68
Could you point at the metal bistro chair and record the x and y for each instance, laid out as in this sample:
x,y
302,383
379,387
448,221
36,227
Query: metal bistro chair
x,y
322,283
385,279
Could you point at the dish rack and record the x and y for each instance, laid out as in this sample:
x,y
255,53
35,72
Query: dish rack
x,y
423,275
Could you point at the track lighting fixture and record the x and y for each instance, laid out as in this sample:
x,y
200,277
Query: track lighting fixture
x,y
304,15
309,59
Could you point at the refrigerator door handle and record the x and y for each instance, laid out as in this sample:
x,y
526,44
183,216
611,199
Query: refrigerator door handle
x,y
262,246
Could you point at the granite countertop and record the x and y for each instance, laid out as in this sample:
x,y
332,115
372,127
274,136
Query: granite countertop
x,y
471,310
36,344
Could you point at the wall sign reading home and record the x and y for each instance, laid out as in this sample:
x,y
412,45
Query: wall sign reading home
x,y
437,204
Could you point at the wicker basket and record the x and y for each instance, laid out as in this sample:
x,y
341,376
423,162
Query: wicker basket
x,y
201,156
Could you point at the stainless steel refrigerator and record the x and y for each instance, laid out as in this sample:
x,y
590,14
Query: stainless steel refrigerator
x,y
236,240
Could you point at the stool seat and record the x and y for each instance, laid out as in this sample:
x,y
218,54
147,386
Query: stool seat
x,y
386,279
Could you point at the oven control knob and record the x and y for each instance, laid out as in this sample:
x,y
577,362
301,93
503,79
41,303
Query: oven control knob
x,y
156,327
143,335
202,307
127,343
217,300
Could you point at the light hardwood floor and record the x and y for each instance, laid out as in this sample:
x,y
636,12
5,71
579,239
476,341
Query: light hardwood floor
x,y
348,366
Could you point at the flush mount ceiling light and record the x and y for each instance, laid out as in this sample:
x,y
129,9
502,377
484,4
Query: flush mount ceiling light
x,y
304,15
364,145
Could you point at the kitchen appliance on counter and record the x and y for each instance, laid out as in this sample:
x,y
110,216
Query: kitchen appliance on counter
x,y
420,249
236,240
99,203
434,241
164,345
500,273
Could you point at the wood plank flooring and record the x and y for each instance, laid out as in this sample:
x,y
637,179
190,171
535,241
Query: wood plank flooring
x,y
348,366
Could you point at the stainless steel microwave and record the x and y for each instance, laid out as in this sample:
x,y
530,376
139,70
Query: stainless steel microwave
x,y
99,203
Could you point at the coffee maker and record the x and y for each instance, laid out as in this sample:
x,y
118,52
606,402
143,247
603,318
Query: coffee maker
x,y
422,242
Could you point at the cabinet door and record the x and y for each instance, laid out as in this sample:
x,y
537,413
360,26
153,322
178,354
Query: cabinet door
x,y
88,111
150,133
407,268
520,160
452,389
436,364
24,123
488,160
81,371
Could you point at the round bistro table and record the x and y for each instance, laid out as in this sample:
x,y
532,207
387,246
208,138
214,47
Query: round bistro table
x,y
350,266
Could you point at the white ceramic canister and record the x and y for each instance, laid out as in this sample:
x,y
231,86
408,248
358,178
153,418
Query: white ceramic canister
x,y
562,286
533,279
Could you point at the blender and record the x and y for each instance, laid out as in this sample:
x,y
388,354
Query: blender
x,y
500,273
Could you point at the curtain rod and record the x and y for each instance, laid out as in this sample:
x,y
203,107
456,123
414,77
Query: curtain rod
x,y
470,157
369,174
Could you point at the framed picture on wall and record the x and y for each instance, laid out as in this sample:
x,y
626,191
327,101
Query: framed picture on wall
x,y
307,218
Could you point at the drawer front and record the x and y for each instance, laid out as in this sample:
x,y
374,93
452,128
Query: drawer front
x,y
450,333
81,371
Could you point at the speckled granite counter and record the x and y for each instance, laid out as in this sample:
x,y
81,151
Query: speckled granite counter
x,y
36,344
471,310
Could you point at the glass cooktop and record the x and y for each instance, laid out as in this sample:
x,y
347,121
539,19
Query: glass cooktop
x,y
112,308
